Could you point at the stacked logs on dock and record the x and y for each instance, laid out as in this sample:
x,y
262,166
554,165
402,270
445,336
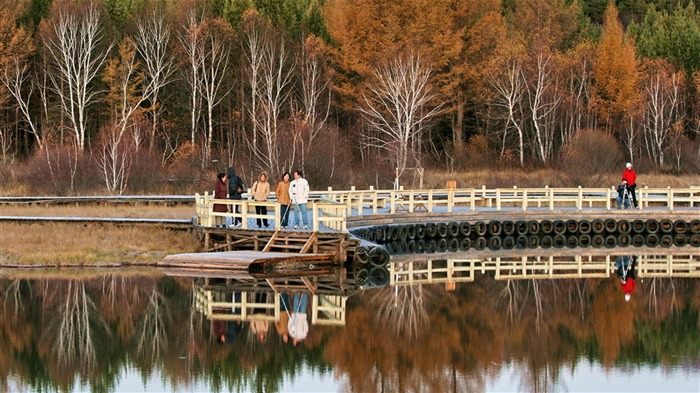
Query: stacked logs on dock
x,y
456,236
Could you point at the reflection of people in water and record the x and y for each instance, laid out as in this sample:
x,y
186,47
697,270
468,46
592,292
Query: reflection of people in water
x,y
298,324
281,325
226,331
626,274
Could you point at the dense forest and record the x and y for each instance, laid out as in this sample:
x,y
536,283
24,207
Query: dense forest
x,y
124,95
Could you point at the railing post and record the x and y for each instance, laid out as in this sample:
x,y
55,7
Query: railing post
x,y
450,199
579,200
670,198
550,196
430,200
315,216
498,199
278,215
472,203
608,193
375,201
210,209
244,214
392,197
524,199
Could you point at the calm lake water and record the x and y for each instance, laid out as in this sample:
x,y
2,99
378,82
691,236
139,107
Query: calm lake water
x,y
499,324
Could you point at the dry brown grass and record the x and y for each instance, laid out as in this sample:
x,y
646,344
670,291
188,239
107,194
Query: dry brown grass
x,y
91,210
68,244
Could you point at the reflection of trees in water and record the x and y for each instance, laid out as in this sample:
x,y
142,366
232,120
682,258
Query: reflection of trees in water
x,y
151,336
661,289
402,309
75,324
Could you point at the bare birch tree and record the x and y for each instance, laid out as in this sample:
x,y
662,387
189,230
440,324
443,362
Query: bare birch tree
x,y
315,95
510,90
214,53
544,97
398,108
256,36
17,80
190,41
73,44
662,109
152,40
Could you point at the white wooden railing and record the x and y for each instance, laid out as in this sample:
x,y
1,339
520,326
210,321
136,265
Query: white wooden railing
x,y
330,208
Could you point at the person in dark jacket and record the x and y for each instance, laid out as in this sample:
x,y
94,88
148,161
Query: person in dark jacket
x,y
623,195
235,191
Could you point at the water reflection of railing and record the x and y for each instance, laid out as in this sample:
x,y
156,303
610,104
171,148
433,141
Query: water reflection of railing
x,y
451,271
233,300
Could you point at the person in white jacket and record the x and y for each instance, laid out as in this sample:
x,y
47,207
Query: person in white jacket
x,y
299,196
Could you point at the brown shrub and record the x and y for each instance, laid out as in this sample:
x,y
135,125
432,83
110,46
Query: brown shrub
x,y
591,155
61,169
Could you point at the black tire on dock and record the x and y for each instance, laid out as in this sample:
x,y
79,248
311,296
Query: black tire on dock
x,y
495,243
546,227
521,228
453,244
624,240
378,256
694,226
410,232
597,226
378,276
392,247
666,240
480,228
559,227
559,241
441,230
508,242
381,233
680,226
441,245
584,240
453,229
479,243
521,242
361,276
361,255
369,235
546,242
465,228
651,226
533,227
392,232
624,226
465,244
533,241
572,226
638,240
403,232
652,240
572,241
666,225
421,231
431,230
508,227
694,239
611,226
597,240
680,239
584,227
638,226
494,228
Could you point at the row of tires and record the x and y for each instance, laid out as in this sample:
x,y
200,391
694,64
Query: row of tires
x,y
456,244
372,255
382,234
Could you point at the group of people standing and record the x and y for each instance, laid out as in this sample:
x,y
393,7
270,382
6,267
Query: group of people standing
x,y
288,192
